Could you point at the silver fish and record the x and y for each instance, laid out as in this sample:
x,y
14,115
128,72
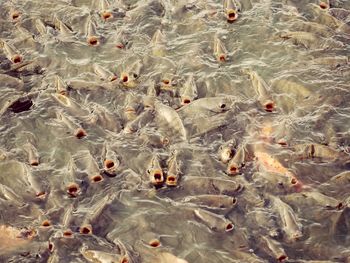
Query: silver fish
x,y
11,52
169,122
213,221
195,185
155,172
174,172
189,91
87,163
290,223
110,159
219,50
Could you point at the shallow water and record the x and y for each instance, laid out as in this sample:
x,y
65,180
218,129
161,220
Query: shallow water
x,y
282,97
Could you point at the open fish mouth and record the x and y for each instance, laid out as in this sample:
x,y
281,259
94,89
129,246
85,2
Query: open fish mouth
x,y
231,15
93,41
171,180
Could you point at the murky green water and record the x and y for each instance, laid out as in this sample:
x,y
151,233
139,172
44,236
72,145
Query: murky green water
x,y
157,131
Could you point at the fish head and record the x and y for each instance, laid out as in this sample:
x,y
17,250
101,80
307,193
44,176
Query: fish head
x,y
156,177
231,15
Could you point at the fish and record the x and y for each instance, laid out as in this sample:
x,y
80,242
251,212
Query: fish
x,y
97,256
325,153
213,221
154,139
132,107
103,73
290,222
299,38
110,159
227,151
268,163
313,199
139,122
70,183
125,255
174,172
135,69
87,163
208,106
64,30
157,44
196,185
33,155
262,89
61,86
11,52
189,91
72,125
210,201
219,50
105,10
273,248
169,122
155,172
238,161
231,9
71,106
92,37
105,119
94,212
41,27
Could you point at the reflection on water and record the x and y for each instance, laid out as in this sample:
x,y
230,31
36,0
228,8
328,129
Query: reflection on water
x,y
174,131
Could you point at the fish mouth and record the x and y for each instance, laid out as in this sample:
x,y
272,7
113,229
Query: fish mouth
x,y
269,106
34,162
124,77
86,230
231,15
68,233
46,223
282,258
109,164
323,5
222,57
93,41
229,227
96,178
154,243
80,133
233,169
106,15
186,101
171,180
73,189
124,260
15,15
16,59
120,45
282,142
157,177
297,235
